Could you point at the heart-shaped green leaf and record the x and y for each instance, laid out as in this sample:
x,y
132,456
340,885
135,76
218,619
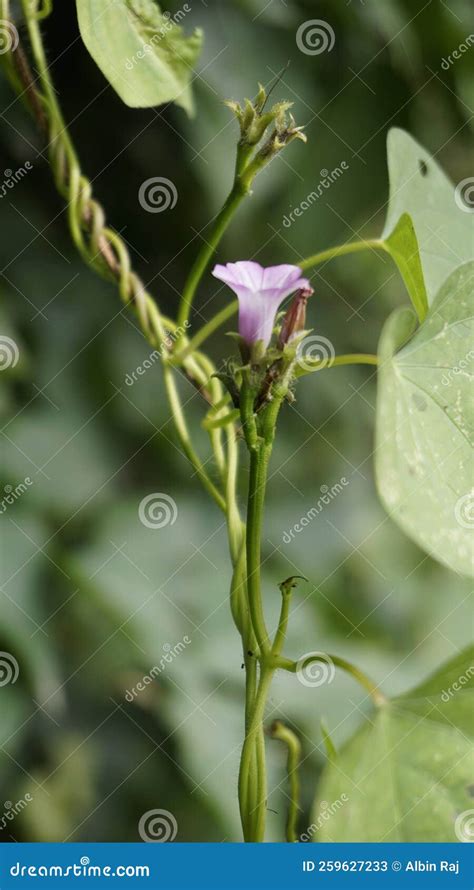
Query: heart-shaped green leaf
x,y
142,52
443,228
425,423
407,774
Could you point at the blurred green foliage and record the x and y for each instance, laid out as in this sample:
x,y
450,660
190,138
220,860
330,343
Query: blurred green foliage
x,y
91,599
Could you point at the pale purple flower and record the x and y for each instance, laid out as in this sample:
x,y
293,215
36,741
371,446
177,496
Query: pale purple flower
x,y
260,292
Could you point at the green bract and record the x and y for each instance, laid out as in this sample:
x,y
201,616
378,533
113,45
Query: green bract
x,y
402,245
406,776
141,51
425,423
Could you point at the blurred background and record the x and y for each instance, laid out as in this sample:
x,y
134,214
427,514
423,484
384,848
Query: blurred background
x,y
91,598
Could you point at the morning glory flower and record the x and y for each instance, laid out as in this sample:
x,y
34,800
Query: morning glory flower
x,y
260,293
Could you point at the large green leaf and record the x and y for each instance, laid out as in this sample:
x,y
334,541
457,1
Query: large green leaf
x,y
406,775
142,52
443,232
425,423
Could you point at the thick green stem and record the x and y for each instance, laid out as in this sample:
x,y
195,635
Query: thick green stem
x,y
259,460
252,775
248,797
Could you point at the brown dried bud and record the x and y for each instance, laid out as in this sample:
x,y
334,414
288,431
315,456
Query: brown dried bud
x,y
295,318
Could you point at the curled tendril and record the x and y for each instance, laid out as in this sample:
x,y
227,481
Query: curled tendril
x,y
40,9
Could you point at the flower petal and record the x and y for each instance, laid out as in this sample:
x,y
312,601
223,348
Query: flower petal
x,y
281,293
280,276
256,317
241,274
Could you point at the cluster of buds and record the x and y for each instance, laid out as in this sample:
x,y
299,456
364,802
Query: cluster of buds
x,y
252,119
272,130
